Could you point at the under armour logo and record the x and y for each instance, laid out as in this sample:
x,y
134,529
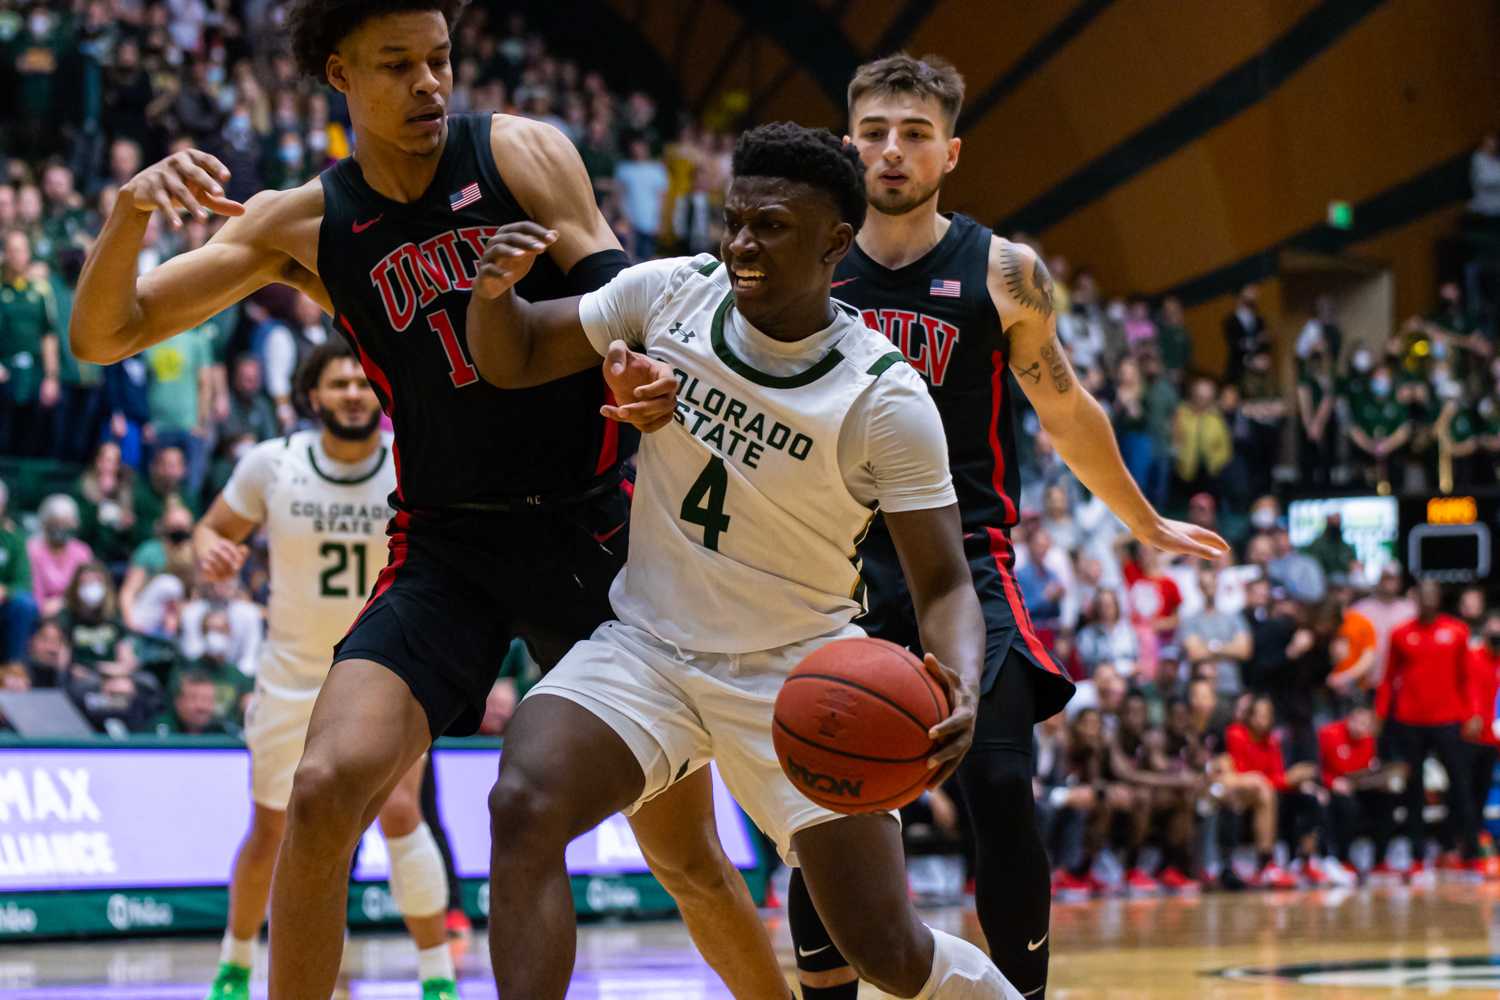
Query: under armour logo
x,y
676,330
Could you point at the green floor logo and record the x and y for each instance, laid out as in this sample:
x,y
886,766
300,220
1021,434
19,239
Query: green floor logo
x,y
1436,975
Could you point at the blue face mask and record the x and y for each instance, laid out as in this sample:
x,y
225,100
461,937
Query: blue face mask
x,y
291,155
1381,387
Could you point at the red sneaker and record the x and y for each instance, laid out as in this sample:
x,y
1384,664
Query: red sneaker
x,y
1175,881
1489,867
1071,888
458,925
1419,872
1451,861
1313,875
1384,874
1273,876
1139,883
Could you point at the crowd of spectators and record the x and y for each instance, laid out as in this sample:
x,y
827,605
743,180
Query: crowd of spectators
x,y
1265,698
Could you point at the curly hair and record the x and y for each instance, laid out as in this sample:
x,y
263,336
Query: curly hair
x,y
317,27
813,156
310,371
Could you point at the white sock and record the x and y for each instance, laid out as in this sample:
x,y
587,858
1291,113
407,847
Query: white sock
x,y
961,971
237,952
435,963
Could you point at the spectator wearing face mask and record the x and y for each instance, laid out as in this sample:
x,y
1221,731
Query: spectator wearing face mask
x,y
1385,609
1201,441
156,557
231,687
106,505
56,553
118,699
17,603
195,709
91,616
161,488
1381,425
246,623
1317,394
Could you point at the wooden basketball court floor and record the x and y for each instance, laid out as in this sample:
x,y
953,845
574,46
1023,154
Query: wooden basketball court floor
x,y
1324,945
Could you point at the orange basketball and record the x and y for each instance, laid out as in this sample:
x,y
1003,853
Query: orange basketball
x,y
851,725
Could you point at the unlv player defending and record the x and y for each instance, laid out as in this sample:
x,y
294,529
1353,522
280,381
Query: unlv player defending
x,y
963,305
508,515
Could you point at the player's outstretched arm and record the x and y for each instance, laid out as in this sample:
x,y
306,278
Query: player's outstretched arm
x,y
1022,291
930,545
514,343
117,314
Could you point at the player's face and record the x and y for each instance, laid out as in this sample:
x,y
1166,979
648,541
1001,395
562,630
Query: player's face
x,y
396,73
345,402
782,240
907,151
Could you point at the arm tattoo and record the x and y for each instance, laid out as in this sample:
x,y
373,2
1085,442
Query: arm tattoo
x,y
1057,366
1033,373
1031,286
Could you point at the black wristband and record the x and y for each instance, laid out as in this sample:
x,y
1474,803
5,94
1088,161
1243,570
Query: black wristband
x,y
595,271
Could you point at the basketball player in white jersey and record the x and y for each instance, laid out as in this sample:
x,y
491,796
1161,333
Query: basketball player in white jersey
x,y
321,496
794,423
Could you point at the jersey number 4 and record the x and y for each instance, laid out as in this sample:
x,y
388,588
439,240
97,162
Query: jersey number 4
x,y
704,503
330,583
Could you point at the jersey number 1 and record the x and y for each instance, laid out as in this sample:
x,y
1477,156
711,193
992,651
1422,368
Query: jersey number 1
x,y
704,503
459,369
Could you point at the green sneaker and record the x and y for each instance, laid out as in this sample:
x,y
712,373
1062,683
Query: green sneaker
x,y
231,983
439,989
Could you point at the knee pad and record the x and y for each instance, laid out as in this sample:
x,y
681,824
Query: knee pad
x,y
418,881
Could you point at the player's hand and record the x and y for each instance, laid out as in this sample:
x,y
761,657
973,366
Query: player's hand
x,y
219,559
509,255
1473,727
955,733
1181,538
644,388
49,392
1342,786
189,181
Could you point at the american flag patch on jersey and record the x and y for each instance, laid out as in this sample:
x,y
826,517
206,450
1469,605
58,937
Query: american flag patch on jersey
x,y
945,288
465,198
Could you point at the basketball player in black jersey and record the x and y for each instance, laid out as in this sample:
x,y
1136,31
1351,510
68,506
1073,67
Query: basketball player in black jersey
x,y
972,312
510,512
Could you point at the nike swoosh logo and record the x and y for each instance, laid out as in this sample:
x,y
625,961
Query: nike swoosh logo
x,y
803,953
841,284
612,532
1033,946
360,227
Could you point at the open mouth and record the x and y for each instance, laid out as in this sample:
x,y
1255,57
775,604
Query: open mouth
x,y
747,277
427,117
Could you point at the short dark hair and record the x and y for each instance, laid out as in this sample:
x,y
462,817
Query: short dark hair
x,y
813,156
928,77
310,371
318,27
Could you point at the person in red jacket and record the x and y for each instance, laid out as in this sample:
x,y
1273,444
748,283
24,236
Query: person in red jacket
x,y
1363,790
1484,678
1255,748
1428,703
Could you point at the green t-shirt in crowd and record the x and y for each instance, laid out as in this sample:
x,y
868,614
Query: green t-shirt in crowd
x,y
27,315
1176,346
1379,417
175,365
15,565
151,556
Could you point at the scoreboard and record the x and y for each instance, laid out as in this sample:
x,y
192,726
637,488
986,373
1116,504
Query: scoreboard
x,y
1450,539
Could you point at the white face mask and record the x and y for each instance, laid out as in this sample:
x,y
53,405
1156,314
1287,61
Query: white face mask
x,y
216,644
1263,518
92,593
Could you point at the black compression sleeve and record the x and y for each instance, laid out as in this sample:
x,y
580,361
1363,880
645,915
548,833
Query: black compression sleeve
x,y
595,271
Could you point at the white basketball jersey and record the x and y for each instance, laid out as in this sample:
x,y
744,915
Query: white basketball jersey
x,y
743,531
325,523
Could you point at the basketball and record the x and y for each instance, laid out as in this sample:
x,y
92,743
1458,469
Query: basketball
x,y
851,724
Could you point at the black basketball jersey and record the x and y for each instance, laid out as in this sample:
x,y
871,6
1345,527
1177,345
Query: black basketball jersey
x,y
937,310
400,275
